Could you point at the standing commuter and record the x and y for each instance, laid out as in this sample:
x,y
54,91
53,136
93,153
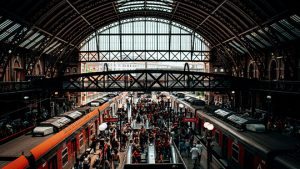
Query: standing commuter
x,y
195,155
200,147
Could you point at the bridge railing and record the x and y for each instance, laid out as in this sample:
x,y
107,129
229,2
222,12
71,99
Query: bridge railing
x,y
15,86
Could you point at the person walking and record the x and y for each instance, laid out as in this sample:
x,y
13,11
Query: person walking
x,y
116,159
195,155
200,147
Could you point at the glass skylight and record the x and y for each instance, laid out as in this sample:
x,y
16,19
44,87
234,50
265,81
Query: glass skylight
x,y
128,5
262,40
282,31
254,41
285,23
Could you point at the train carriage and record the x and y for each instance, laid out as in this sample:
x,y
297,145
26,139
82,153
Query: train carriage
x,y
242,143
56,150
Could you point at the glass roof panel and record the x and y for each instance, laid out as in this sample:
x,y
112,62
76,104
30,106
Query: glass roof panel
x,y
235,47
128,5
50,46
27,40
9,30
31,38
5,24
254,41
238,45
296,18
285,23
282,31
262,40
35,41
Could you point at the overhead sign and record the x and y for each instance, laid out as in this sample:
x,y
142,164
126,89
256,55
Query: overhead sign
x,y
111,119
194,120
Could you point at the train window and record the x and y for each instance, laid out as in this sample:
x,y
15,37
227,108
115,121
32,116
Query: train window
x,y
235,152
64,156
80,140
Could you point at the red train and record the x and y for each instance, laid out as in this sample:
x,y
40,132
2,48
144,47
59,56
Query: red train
x,y
241,142
59,146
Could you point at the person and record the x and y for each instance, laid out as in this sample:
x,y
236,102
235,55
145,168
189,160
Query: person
x,y
160,157
86,163
116,159
195,155
97,162
136,156
187,146
107,164
200,147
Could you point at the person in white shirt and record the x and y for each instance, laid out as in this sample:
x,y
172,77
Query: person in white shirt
x,y
195,154
200,147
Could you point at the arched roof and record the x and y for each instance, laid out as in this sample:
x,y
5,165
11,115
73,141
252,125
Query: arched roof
x,y
69,22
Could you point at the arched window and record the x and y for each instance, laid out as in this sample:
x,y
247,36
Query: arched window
x,y
17,71
74,70
251,71
38,70
146,40
273,70
67,70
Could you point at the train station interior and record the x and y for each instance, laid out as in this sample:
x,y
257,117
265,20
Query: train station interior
x,y
130,84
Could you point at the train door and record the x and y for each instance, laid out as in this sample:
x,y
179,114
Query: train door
x,y
248,160
224,146
81,144
53,162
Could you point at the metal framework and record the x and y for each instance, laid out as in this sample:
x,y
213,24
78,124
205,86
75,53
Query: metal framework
x,y
147,80
142,56
144,39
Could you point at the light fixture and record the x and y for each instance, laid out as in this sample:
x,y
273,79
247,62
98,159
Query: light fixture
x,y
26,97
232,91
269,97
205,124
168,97
208,126
181,105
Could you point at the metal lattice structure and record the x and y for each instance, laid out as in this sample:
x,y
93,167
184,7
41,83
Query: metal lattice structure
x,y
147,80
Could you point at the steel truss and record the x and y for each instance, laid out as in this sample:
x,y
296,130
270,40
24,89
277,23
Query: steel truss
x,y
125,56
146,80
149,80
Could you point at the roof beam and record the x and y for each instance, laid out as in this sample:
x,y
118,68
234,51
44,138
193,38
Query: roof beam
x,y
209,15
73,7
268,22
115,9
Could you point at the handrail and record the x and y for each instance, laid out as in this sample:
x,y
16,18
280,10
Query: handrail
x,y
128,157
173,155
176,149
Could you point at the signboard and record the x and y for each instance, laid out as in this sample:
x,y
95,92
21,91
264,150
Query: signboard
x,y
194,120
111,119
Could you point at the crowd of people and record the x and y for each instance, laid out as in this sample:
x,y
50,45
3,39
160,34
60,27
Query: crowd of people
x,y
163,130
153,126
